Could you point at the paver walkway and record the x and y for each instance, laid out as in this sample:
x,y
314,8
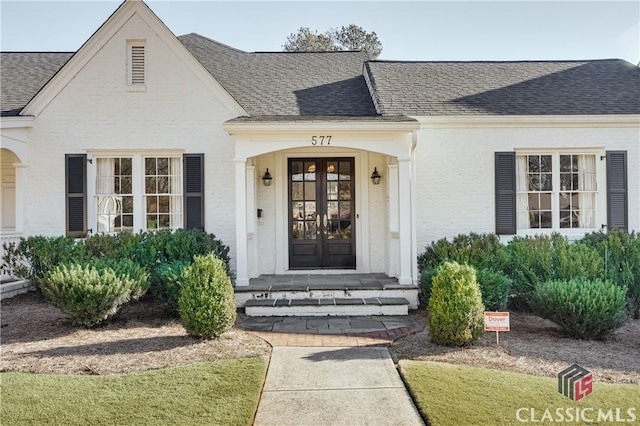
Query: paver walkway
x,y
319,376
334,386
331,331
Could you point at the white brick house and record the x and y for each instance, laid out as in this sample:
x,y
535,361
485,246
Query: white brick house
x,y
140,129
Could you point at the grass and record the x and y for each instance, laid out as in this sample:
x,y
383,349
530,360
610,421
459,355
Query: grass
x,y
223,392
449,394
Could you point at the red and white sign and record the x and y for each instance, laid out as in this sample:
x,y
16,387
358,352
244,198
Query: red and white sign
x,y
496,321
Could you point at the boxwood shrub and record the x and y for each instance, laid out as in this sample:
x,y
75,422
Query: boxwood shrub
x,y
455,306
206,303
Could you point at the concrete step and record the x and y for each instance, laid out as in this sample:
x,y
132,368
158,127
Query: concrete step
x,y
326,291
327,306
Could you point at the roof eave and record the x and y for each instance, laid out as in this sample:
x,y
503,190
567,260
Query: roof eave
x,y
298,126
602,120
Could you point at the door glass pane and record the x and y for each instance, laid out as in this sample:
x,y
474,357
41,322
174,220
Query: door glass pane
x,y
332,190
345,210
297,210
345,170
332,170
310,170
345,229
332,210
296,171
345,191
310,210
298,230
296,191
310,233
310,190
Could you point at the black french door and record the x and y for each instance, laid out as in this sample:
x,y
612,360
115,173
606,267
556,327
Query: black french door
x,y
321,213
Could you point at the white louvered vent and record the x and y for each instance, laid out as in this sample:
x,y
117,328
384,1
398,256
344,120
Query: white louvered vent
x,y
137,64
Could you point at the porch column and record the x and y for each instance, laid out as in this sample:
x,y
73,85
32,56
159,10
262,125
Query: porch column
x,y
242,273
20,171
405,220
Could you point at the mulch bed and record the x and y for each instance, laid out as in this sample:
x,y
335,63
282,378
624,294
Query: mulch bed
x,y
37,337
535,346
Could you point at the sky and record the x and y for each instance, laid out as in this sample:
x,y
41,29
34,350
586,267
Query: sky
x,y
411,30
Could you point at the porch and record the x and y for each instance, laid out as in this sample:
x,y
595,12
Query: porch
x,y
326,295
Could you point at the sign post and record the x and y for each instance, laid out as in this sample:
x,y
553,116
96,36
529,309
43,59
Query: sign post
x,y
496,321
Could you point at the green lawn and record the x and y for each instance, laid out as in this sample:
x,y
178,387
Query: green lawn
x,y
222,393
457,395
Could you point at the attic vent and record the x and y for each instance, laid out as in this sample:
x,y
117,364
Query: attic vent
x,y
137,64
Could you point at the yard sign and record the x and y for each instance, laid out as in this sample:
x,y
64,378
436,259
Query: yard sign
x,y
496,321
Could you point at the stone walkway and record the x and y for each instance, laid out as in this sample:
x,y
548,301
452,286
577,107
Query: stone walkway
x,y
331,331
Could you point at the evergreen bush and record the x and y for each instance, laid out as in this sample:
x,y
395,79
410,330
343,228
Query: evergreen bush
x,y
455,307
620,252
87,293
34,257
169,282
206,303
494,286
584,309
477,250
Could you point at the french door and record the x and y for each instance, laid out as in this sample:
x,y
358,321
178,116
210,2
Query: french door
x,y
321,209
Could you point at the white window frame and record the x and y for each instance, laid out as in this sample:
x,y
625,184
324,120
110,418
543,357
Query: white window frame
x,y
138,181
131,86
600,196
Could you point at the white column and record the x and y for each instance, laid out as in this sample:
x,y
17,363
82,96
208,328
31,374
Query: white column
x,y
20,191
242,273
394,209
252,256
404,192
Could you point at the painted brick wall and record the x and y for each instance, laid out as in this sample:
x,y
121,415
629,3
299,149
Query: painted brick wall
x,y
455,172
95,111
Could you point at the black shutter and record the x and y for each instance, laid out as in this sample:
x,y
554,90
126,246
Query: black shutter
x,y
193,165
505,170
617,198
76,194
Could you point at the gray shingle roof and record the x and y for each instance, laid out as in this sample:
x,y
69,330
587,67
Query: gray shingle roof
x,y
281,83
506,88
23,74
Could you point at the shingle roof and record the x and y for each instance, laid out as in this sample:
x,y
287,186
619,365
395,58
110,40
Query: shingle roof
x,y
506,88
287,83
23,74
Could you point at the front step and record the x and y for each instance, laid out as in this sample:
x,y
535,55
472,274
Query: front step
x,y
327,306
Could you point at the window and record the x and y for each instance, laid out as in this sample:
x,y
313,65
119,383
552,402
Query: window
x,y
163,192
114,194
138,192
556,190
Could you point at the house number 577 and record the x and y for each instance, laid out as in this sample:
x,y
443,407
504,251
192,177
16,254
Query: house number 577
x,y
320,140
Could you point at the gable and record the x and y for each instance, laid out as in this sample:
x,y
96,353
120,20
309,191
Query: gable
x,y
133,20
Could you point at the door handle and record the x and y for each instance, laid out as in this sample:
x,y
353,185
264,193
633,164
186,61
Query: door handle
x,y
326,221
317,224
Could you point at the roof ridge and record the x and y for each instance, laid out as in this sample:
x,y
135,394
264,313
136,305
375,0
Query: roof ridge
x,y
552,61
38,52
213,41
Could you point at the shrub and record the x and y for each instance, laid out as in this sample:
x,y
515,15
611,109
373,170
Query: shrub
x,y
535,260
620,252
88,294
477,250
169,283
128,269
455,306
426,282
584,309
494,286
206,303
165,246
34,257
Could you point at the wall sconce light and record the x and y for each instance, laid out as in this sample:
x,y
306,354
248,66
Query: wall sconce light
x,y
375,176
266,179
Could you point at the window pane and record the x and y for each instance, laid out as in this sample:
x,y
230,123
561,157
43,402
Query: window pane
x,y
310,210
332,190
332,170
546,180
296,191
545,220
163,166
545,163
310,231
310,190
149,166
545,201
345,191
150,185
163,204
163,185
534,163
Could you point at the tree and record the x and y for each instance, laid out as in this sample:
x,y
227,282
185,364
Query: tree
x,y
351,37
